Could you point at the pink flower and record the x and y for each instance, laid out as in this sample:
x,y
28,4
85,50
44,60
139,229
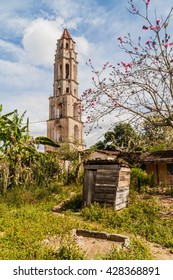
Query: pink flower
x,y
158,26
120,39
136,49
134,9
144,27
166,45
130,64
171,44
147,2
148,42
127,65
124,64
153,27
158,21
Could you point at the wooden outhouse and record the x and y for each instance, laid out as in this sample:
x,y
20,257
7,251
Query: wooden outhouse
x,y
106,182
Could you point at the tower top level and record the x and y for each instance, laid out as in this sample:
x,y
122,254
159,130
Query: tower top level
x,y
66,34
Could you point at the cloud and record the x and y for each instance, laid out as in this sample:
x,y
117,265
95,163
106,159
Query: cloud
x,y
17,78
10,51
39,41
39,46
84,48
36,107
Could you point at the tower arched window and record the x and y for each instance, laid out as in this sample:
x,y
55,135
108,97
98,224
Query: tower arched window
x,y
67,71
67,46
58,111
60,71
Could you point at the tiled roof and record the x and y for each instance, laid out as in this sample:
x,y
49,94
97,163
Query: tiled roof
x,y
107,152
159,156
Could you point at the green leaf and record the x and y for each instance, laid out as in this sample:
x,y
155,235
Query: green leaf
x,y
46,141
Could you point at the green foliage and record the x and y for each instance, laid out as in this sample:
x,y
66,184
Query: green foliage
x,y
122,137
142,217
156,138
68,153
137,250
73,204
69,251
140,179
27,224
20,162
46,169
42,140
71,156
26,221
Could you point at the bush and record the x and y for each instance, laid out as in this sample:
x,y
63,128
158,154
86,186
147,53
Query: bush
x,y
74,204
140,179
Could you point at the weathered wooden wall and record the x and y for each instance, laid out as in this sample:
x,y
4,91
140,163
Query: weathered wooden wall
x,y
106,182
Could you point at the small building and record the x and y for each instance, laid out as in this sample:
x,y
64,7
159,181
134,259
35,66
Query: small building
x,y
106,182
159,163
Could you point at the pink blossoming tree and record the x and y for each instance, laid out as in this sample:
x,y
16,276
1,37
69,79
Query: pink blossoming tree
x,y
142,86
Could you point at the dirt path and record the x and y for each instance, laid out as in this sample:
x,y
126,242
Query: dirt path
x,y
159,252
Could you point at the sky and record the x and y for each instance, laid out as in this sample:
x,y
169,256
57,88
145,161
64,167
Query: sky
x,y
29,30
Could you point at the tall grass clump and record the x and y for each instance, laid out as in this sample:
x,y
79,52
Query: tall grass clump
x,y
137,250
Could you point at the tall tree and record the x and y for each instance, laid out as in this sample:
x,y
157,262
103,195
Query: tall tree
x,y
123,137
141,86
156,138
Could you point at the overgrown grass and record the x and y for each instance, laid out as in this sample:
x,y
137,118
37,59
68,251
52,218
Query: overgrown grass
x,y
26,220
24,229
142,217
136,251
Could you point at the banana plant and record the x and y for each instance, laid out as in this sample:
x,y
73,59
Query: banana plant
x,y
14,134
18,151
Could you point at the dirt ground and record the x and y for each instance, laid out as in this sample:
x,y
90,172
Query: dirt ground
x,y
93,247
159,252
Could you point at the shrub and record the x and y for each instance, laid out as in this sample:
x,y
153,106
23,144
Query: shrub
x,y
140,179
74,204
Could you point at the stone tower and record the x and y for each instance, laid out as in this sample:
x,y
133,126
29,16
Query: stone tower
x,y
64,124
